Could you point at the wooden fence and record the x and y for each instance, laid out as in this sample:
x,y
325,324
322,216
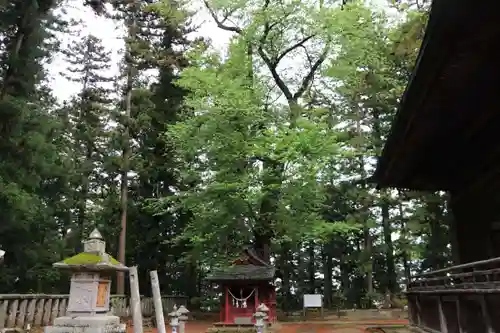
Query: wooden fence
x,y
462,298
18,310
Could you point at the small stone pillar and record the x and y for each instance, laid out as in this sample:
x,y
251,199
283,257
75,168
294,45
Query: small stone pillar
x,y
174,319
183,311
89,296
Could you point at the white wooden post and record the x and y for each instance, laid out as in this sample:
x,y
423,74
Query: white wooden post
x,y
135,300
155,286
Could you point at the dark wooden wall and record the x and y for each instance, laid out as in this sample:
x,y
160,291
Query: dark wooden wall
x,y
476,225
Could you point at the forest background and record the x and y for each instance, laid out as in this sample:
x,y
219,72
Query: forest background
x,y
189,155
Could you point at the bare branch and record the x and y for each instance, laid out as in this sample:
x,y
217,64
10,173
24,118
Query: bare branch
x,y
308,56
291,48
269,63
312,71
272,63
219,22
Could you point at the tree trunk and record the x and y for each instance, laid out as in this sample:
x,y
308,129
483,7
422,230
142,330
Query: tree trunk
x,y
437,242
24,29
286,273
364,210
328,275
404,244
369,264
82,201
389,256
345,282
132,32
311,269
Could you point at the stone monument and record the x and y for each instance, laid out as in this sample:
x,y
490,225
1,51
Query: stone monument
x,y
89,297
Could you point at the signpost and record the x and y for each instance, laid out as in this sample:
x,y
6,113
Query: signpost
x,y
314,301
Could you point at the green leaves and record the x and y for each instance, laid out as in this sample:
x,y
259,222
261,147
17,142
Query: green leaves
x,y
238,143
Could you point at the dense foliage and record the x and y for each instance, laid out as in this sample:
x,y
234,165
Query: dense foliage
x,y
268,143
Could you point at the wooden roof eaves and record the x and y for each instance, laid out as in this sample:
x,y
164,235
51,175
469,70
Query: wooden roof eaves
x,y
434,52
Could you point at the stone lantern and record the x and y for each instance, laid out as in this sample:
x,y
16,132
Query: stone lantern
x,y
263,308
174,319
89,297
260,317
259,321
183,311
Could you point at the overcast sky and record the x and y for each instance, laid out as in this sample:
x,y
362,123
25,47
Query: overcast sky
x,y
111,35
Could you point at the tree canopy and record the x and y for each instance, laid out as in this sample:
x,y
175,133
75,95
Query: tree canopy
x,y
200,152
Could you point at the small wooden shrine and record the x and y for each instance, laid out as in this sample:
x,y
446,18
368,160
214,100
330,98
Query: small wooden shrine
x,y
246,284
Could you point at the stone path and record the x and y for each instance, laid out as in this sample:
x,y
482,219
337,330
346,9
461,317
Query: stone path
x,y
357,326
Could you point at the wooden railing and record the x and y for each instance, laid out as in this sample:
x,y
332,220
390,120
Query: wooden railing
x,y
20,310
462,298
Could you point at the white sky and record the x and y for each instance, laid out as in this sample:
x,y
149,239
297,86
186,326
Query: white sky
x,y
111,35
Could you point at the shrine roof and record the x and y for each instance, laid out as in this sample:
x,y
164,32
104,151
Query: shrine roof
x,y
243,272
444,132
249,267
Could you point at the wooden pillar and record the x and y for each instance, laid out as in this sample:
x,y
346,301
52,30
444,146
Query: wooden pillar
x,y
442,318
472,239
419,311
486,314
226,319
412,311
459,316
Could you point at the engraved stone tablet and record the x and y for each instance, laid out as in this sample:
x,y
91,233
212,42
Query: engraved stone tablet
x,y
80,296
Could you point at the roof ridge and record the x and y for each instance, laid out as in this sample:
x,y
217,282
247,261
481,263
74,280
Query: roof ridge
x,y
250,251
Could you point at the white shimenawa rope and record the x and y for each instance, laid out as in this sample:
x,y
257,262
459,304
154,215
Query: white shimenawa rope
x,y
242,301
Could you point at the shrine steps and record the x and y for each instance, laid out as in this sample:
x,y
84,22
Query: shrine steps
x,y
222,324
233,328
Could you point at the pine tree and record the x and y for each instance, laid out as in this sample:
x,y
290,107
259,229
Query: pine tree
x,y
89,113
28,155
164,42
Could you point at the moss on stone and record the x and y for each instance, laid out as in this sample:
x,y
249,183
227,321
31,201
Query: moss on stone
x,y
89,259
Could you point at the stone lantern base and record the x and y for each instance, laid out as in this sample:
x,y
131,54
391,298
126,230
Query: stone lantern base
x,y
89,294
84,324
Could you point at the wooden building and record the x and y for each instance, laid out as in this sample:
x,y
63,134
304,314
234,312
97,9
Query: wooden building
x,y
248,282
446,136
